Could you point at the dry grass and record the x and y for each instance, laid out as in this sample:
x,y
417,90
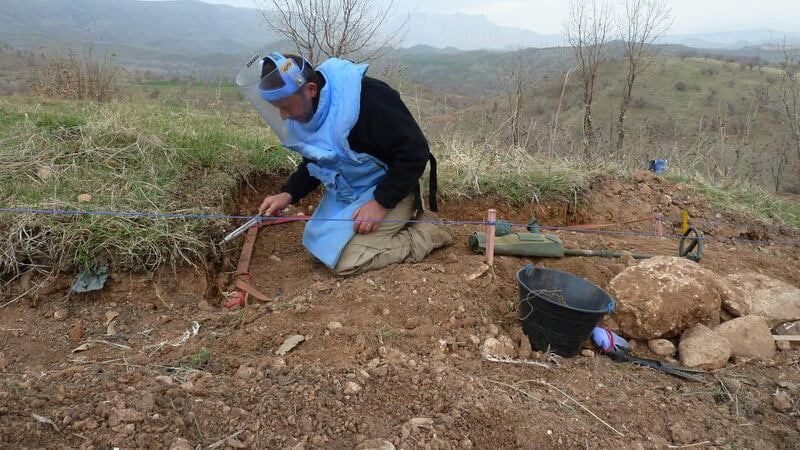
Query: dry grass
x,y
83,156
512,173
75,75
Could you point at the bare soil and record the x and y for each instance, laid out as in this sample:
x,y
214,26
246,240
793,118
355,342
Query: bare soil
x,y
405,365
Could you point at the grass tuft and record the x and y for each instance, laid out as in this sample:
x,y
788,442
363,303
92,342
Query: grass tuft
x,y
120,157
198,360
467,170
751,201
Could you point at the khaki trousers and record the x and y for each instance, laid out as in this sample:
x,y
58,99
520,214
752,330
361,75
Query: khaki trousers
x,y
393,242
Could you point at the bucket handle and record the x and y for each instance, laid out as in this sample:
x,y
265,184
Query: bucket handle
x,y
528,270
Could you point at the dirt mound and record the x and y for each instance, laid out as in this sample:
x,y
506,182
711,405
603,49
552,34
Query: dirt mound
x,y
392,355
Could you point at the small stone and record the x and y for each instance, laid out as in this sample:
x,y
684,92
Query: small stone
x,y
83,198
412,322
783,346
76,333
275,258
351,388
587,353
661,347
493,330
164,379
44,172
245,372
782,401
334,325
421,422
61,314
380,371
235,443
375,444
180,444
680,435
495,348
125,415
481,270
289,344
87,424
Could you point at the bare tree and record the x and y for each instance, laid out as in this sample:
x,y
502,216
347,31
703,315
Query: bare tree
x,y
321,29
789,97
587,30
641,23
778,163
516,81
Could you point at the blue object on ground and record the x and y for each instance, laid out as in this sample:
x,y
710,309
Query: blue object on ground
x,y
91,279
608,341
658,166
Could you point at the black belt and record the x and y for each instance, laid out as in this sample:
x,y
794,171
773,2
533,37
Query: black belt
x,y
433,187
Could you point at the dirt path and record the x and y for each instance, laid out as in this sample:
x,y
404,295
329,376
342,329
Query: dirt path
x,y
390,355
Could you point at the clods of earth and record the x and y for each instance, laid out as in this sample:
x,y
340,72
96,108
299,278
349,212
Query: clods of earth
x,y
396,358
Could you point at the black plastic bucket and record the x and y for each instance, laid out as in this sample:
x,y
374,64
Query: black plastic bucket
x,y
559,310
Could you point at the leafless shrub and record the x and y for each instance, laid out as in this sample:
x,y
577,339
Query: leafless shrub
x,y
77,76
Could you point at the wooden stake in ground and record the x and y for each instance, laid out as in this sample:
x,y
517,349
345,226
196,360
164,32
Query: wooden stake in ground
x,y
491,218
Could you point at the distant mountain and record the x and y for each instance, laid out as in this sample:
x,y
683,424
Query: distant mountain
x,y
732,39
471,32
172,34
191,37
185,26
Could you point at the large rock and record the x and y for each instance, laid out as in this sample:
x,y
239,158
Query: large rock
x,y
749,336
757,294
662,296
702,347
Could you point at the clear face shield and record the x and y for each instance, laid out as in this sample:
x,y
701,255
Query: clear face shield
x,y
263,88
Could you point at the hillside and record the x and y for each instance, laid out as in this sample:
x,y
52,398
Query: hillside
x,y
699,113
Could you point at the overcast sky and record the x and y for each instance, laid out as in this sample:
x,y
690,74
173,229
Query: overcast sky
x,y
547,16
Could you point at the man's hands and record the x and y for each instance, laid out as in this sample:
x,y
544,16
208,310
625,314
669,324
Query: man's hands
x,y
274,204
367,218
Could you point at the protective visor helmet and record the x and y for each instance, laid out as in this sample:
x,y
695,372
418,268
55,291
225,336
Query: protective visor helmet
x,y
282,81
263,83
